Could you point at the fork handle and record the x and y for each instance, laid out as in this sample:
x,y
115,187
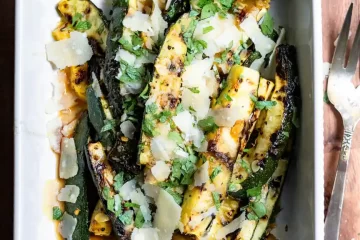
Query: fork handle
x,y
332,222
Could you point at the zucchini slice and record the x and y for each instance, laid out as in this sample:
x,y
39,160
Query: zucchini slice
x,y
103,177
100,224
223,145
275,185
229,207
80,209
165,88
129,65
271,143
75,11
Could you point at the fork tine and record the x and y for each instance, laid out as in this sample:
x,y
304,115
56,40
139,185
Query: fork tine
x,y
339,55
354,54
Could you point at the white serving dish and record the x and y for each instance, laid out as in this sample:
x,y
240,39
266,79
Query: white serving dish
x,y
35,164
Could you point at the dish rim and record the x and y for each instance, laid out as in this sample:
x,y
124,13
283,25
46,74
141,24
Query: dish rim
x,y
318,118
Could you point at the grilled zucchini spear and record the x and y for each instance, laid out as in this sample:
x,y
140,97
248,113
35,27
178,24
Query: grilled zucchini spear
x,y
223,145
83,16
230,207
129,64
274,135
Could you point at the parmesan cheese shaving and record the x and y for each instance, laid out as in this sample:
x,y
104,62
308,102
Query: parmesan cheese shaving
x,y
67,226
128,129
231,227
69,52
69,193
68,159
161,171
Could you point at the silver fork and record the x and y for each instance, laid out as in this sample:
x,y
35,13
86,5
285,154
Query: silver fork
x,y
346,99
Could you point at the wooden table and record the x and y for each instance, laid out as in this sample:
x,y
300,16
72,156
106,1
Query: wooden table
x,y
333,15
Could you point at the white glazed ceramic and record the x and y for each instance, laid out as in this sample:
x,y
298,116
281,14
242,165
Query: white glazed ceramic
x,y
35,164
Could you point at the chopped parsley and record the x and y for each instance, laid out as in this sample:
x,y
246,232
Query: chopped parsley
x,y
127,217
245,165
215,172
117,205
139,219
110,204
179,109
209,10
78,24
207,29
262,104
267,25
232,187
109,124
106,193
226,3
246,150
216,197
57,213
130,74
135,46
258,208
191,109
227,97
119,181
224,54
194,89
254,192
193,13
176,137
208,124
131,205
151,108
183,170
194,46
145,92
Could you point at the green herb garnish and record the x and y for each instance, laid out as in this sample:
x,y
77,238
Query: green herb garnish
x,y
57,213
208,124
215,172
216,197
207,29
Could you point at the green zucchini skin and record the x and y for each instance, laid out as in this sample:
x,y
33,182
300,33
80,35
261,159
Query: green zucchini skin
x,y
176,9
286,69
80,179
111,69
99,178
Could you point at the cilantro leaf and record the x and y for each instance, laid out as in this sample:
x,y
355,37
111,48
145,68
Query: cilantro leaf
x,y
262,104
179,109
110,204
106,193
139,219
127,217
76,18
246,150
209,10
245,165
176,137
267,25
227,97
252,216
215,172
193,13
207,29
227,3
216,198
82,26
57,213
119,181
232,187
151,108
254,192
202,3
208,124
109,124
131,205
177,197
258,208
194,89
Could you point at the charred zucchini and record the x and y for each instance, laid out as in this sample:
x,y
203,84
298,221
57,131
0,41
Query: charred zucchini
x,y
100,224
80,209
271,143
223,145
129,65
229,207
104,179
165,88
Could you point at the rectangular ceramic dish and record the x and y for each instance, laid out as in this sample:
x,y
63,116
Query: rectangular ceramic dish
x,y
35,164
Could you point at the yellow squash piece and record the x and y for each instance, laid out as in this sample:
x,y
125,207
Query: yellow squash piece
x,y
100,224
223,146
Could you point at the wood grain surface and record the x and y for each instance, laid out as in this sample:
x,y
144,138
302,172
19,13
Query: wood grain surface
x,y
333,15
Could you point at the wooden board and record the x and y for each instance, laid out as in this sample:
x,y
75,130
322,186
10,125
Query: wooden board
x,y
333,15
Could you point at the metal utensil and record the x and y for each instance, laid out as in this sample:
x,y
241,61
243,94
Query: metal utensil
x,y
346,99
